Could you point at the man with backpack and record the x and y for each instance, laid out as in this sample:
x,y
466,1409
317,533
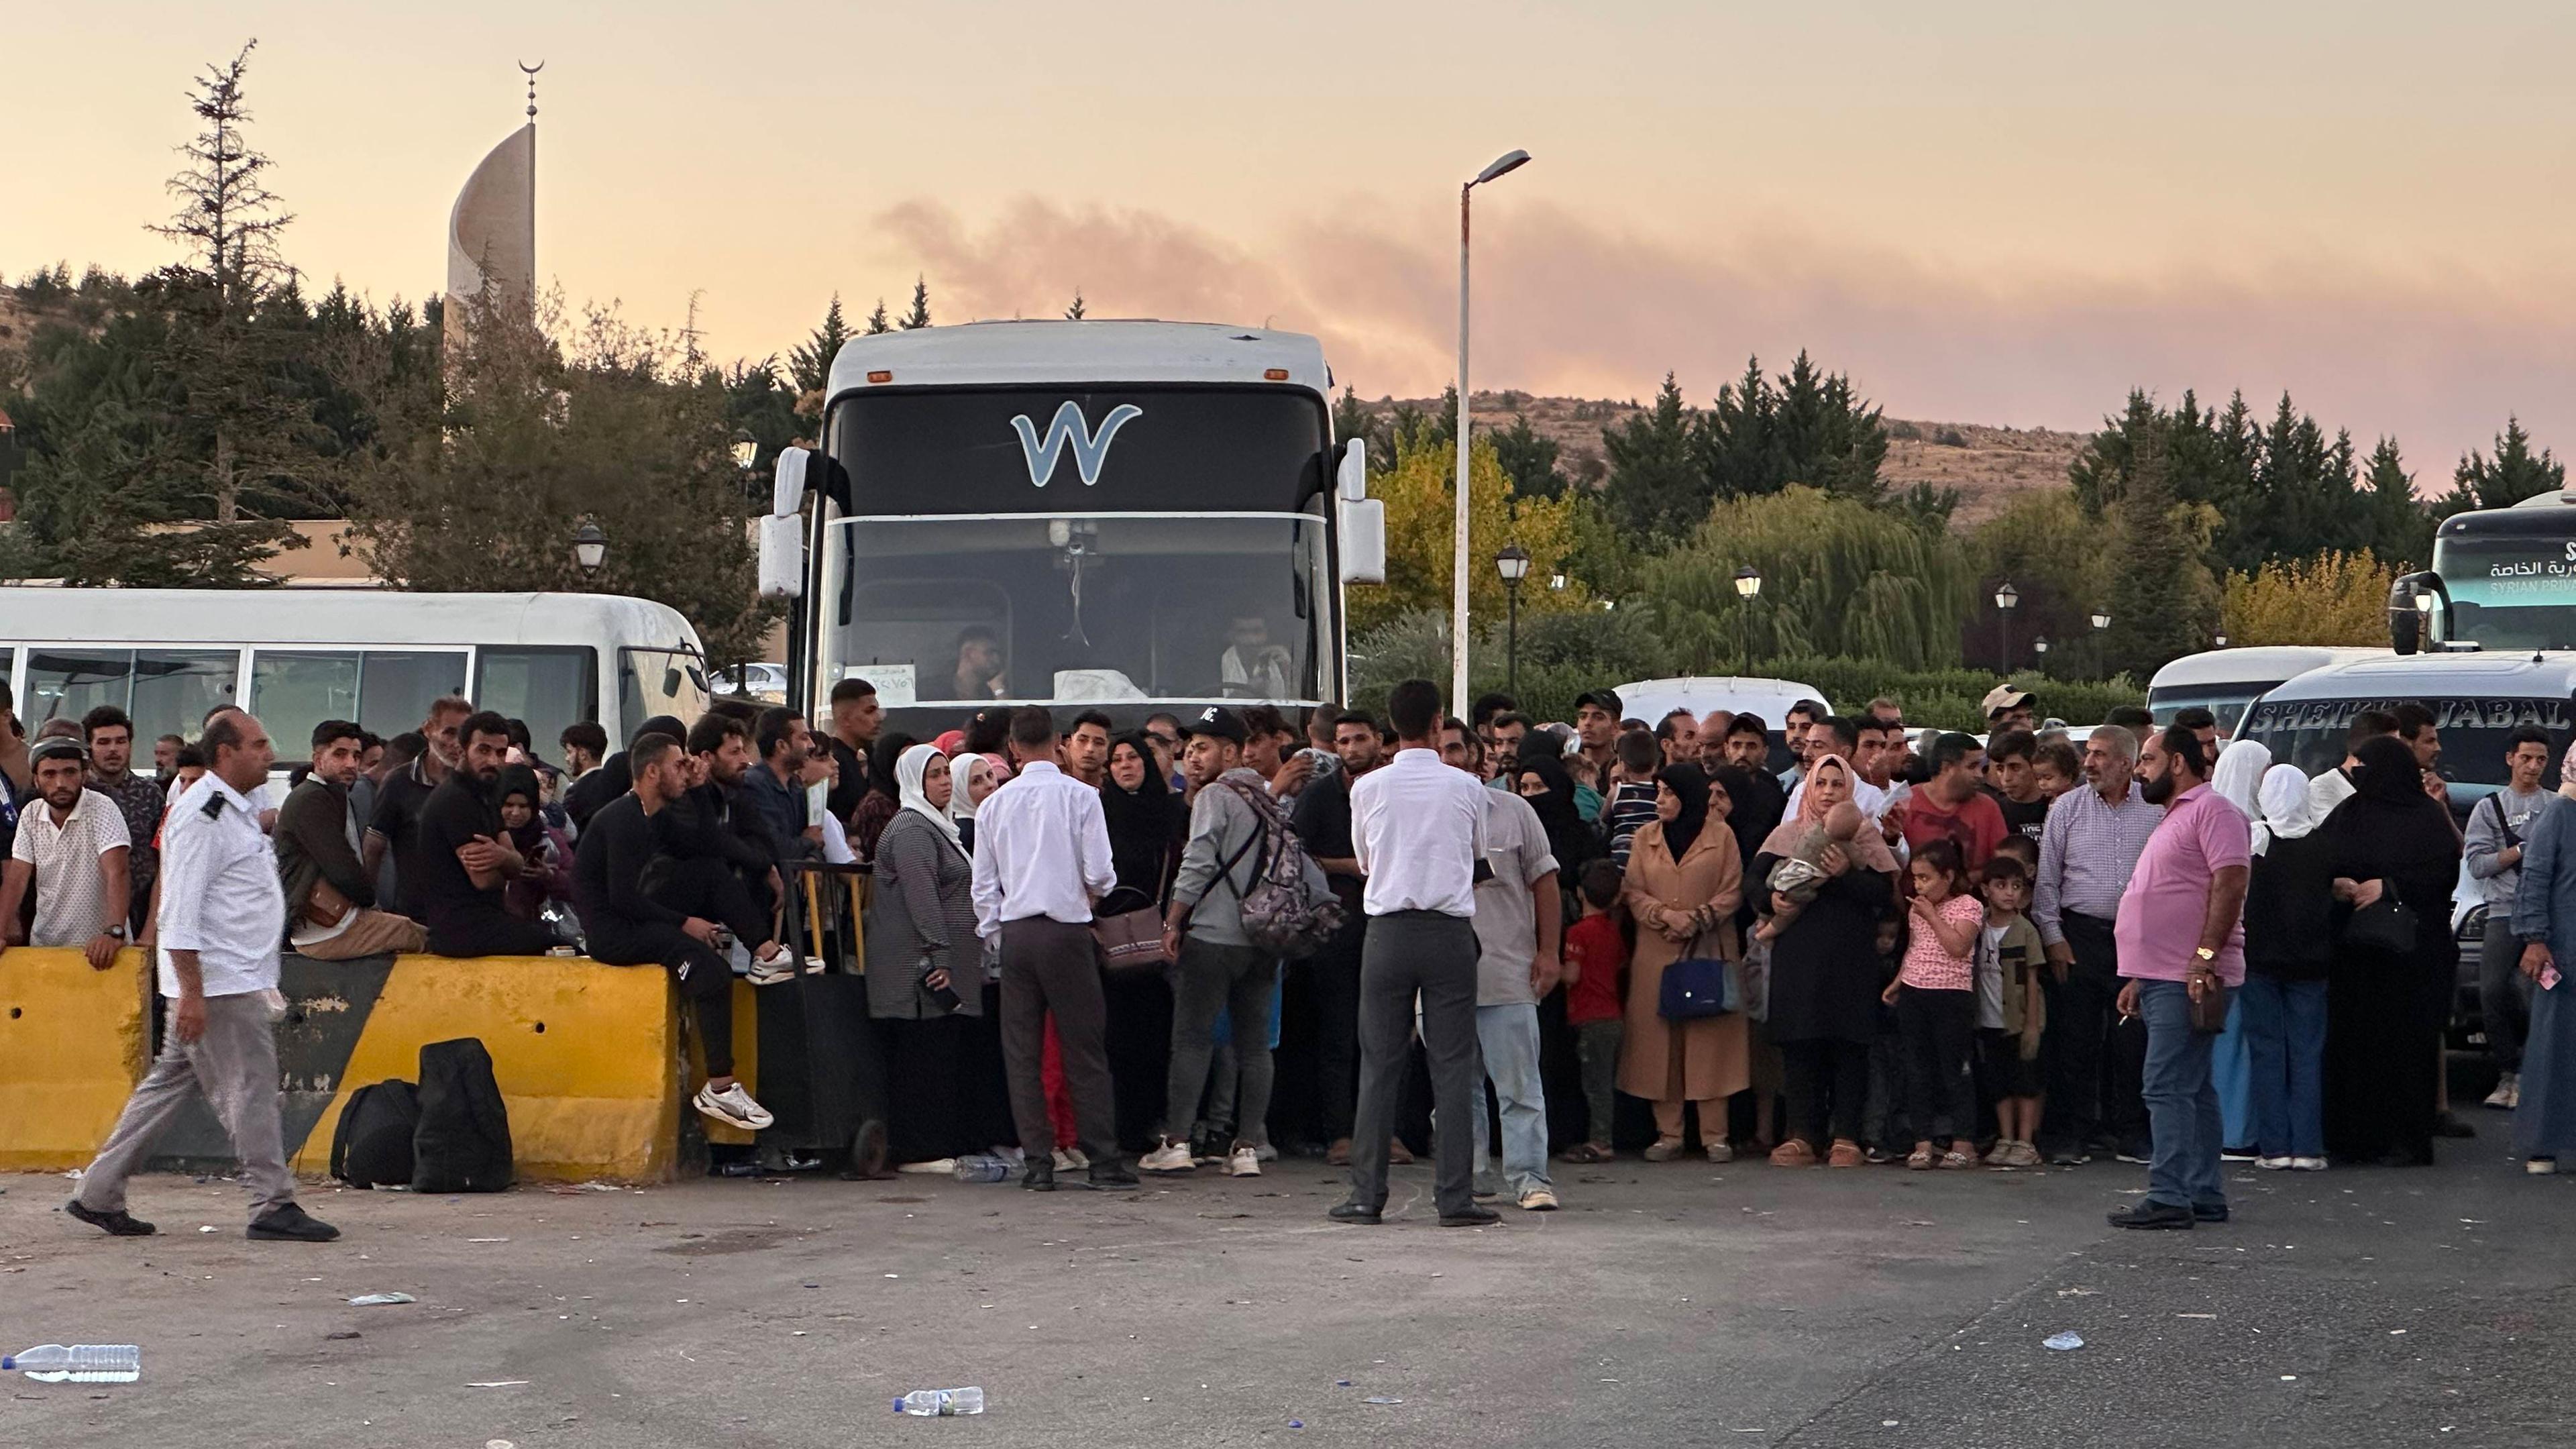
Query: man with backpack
x,y
1238,835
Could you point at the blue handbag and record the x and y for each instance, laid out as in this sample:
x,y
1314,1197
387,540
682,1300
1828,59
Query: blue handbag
x,y
1702,983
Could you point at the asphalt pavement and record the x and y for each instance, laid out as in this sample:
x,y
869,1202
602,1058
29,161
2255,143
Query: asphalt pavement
x,y
1679,1303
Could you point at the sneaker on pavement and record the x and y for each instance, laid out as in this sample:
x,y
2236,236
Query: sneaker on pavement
x,y
2273,1164
733,1105
1245,1161
1063,1160
116,1224
2069,1157
1170,1157
290,1224
2508,1093
2541,1166
2023,1155
1075,1158
1721,1151
2001,1155
2238,1154
2307,1164
2139,1154
1538,1200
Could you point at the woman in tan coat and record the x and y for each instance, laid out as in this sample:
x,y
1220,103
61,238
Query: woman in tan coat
x,y
1685,879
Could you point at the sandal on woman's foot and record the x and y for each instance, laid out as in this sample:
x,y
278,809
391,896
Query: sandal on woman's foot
x,y
1793,1153
1846,1153
1958,1157
1664,1150
1920,1159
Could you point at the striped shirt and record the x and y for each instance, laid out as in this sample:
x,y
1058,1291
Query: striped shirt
x,y
1631,806
2087,852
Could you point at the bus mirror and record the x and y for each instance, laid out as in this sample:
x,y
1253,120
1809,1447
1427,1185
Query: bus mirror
x,y
782,556
1363,540
2405,630
1354,470
787,494
2408,598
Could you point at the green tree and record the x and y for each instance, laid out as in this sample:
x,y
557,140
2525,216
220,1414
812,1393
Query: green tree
x,y
877,323
2333,598
1075,313
1656,487
2401,527
2512,475
1529,459
2161,592
811,363
1421,522
919,316
2058,560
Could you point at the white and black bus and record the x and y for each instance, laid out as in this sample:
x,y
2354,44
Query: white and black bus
x,y
1127,516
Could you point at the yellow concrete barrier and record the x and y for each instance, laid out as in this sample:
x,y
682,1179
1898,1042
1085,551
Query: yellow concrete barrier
x,y
72,1046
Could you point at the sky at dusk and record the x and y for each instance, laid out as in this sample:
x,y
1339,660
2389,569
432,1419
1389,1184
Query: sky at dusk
x,y
2005,214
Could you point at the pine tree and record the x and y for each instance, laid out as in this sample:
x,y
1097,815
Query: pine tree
x,y
877,323
811,364
1075,312
1656,487
919,316
228,219
2514,474
1529,459
2401,527
2159,587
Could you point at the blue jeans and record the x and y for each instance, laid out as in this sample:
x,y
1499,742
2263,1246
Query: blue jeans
x,y
1509,1036
2228,1064
2285,1042
2182,1101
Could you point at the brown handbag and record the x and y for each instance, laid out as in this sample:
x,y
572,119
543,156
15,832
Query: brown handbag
x,y
1129,939
325,906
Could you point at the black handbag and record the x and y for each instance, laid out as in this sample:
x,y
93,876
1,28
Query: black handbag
x,y
2386,924
1702,983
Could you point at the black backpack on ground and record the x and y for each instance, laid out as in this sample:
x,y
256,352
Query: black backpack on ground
x,y
463,1141
371,1147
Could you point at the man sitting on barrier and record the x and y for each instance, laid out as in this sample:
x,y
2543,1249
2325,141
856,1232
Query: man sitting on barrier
x,y
464,855
641,906
330,896
71,849
712,821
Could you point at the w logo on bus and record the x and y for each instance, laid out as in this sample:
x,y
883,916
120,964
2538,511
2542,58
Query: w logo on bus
x,y
1070,428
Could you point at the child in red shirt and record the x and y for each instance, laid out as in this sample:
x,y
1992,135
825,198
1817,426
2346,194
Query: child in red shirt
x,y
1594,955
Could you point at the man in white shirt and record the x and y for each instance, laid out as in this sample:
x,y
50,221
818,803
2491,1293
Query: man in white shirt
x,y
222,914
72,849
1418,828
1041,860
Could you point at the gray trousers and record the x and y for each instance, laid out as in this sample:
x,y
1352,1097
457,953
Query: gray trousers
x,y
1210,978
234,1067
2504,994
1049,966
1434,955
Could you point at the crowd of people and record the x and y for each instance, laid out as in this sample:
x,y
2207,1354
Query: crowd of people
x,y
1504,942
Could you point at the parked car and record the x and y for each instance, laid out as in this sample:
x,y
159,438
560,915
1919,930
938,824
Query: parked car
x,y
755,681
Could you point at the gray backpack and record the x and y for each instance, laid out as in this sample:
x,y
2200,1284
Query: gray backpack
x,y
1290,908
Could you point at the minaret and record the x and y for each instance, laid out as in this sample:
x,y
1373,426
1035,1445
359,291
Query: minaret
x,y
492,231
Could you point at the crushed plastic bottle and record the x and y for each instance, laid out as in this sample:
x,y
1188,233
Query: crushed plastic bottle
x,y
2063,1342
983,1167
82,1363
940,1403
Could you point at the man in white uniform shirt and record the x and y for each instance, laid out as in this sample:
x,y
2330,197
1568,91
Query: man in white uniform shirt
x,y
1041,861
223,912
1418,828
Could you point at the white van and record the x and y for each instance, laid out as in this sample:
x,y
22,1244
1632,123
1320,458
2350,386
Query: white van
x,y
1651,699
298,656
2476,700
2224,681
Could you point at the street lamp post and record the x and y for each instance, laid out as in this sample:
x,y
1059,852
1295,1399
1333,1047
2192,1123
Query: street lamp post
x,y
1513,563
1748,587
1504,164
589,546
2101,650
2039,647
2005,598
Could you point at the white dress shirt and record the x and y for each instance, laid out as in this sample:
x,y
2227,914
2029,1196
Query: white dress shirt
x,y
220,893
1418,827
1041,849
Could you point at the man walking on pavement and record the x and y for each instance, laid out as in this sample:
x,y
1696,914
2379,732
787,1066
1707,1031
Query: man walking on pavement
x,y
1041,862
222,915
1418,829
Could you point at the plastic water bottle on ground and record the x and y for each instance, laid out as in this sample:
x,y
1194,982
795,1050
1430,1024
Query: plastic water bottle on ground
x,y
982,1167
940,1403
102,1363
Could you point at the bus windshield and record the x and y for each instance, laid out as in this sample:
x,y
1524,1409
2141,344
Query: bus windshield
x,y
1092,608
2509,591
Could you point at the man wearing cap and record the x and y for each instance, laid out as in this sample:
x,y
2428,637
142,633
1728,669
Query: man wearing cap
x,y
72,847
1218,968
2007,708
1597,713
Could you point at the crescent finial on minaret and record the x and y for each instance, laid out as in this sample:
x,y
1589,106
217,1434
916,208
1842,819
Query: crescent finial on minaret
x,y
531,72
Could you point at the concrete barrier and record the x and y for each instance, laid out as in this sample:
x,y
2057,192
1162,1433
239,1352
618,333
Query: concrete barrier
x,y
72,1046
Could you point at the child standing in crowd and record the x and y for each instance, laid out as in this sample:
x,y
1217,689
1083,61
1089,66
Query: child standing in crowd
x,y
1936,1007
2056,767
1632,798
1802,875
1884,1123
2011,1014
1595,953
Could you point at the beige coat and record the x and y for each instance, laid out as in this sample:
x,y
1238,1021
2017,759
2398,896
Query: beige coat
x,y
1679,1061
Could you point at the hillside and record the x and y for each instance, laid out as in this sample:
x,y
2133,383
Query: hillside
x,y
1987,465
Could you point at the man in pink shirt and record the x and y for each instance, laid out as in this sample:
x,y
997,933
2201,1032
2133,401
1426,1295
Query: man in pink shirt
x,y
2182,937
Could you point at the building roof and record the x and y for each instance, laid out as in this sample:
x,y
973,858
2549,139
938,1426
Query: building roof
x,y
1054,352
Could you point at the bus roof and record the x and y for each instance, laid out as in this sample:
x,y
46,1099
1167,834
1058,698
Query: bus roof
x,y
330,616
2394,676
2255,664
987,354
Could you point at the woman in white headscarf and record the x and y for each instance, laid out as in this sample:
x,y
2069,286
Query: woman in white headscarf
x,y
924,973
2289,942
2237,779
982,775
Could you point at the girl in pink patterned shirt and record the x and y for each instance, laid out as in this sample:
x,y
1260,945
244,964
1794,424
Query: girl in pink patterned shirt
x,y
1935,997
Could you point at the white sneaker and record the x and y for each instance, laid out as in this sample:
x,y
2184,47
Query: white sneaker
x,y
1721,1151
2540,1166
1170,1157
1538,1200
771,969
2273,1164
1246,1161
2307,1164
2508,1093
1063,1160
733,1105
1075,1158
